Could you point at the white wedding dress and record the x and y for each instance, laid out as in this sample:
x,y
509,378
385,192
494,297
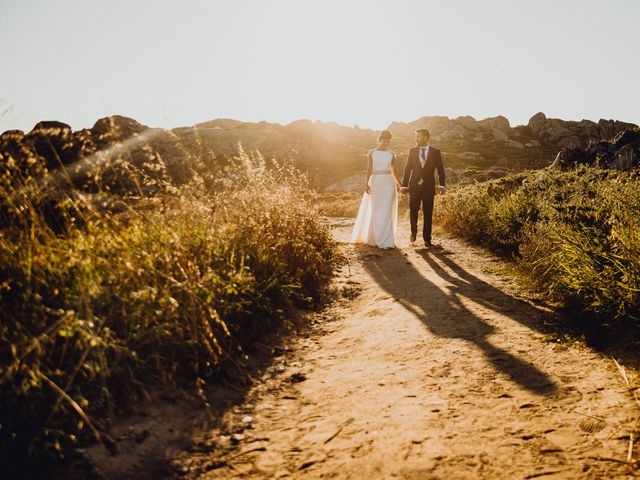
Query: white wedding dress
x,y
377,220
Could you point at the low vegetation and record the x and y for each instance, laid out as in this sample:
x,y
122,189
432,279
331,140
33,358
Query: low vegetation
x,y
141,291
576,234
346,204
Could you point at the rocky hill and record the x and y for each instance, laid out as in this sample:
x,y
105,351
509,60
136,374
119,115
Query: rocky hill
x,y
101,156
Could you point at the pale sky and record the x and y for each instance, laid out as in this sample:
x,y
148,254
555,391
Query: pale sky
x,y
368,62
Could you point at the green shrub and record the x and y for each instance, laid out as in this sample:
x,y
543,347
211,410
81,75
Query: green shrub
x,y
464,212
576,233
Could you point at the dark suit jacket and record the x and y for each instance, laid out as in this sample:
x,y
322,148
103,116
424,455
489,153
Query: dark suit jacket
x,y
413,171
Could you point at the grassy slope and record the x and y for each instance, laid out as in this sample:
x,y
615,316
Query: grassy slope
x,y
165,291
575,234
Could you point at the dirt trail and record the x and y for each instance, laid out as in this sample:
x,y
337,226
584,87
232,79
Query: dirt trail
x,y
436,370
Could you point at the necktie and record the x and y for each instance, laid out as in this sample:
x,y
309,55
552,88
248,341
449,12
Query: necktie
x,y
422,161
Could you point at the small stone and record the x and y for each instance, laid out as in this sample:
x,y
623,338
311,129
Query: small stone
x,y
307,464
297,377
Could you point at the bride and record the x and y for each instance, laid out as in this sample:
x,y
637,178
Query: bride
x,y
377,219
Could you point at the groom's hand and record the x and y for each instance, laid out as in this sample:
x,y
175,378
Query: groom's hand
x,y
441,189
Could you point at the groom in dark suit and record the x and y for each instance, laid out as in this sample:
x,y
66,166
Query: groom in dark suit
x,y
419,180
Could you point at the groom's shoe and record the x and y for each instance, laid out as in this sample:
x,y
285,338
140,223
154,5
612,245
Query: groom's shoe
x,y
432,246
412,238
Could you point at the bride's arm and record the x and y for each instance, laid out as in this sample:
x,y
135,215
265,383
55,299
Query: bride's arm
x,y
369,171
394,173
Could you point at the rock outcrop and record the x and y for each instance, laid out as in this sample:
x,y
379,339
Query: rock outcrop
x,y
621,153
566,133
458,130
101,158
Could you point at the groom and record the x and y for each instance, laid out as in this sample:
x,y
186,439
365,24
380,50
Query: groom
x,y
419,181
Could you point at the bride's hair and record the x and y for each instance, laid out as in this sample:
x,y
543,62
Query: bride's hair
x,y
384,135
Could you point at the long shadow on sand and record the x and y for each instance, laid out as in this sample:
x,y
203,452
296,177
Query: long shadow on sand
x,y
398,277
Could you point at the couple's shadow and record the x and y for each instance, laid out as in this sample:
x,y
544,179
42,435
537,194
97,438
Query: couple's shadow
x,y
392,271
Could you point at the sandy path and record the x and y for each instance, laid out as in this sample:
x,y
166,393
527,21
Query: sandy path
x,y
435,370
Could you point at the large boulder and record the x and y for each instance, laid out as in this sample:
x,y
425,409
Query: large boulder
x,y
626,158
18,159
587,128
537,123
556,129
609,128
514,144
568,133
625,138
499,135
569,141
436,125
455,133
51,141
495,123
11,139
116,128
568,158
621,153
467,122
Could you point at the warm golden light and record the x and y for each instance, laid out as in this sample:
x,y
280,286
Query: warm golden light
x,y
356,62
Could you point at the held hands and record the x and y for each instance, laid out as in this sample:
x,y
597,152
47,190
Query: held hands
x,y
404,190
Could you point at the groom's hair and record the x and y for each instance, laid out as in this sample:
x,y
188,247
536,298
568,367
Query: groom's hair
x,y
425,132
385,135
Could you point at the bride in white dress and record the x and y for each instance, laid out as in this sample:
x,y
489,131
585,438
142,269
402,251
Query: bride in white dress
x,y
377,219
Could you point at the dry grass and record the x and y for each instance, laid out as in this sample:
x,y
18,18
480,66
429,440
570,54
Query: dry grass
x,y
346,204
125,293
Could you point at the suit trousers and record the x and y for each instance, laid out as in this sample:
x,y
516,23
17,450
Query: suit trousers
x,y
421,194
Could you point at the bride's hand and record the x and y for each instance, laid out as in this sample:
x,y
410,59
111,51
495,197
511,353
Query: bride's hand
x,y
367,189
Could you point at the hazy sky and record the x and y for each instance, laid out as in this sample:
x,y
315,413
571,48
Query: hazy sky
x,y
369,62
